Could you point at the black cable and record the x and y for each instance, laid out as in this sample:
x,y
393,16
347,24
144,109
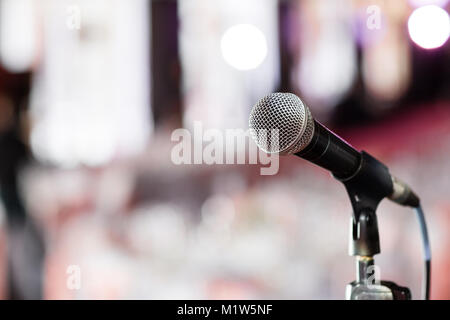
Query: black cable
x,y
426,252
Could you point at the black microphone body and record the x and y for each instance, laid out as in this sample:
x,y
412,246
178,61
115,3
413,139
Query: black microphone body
x,y
331,152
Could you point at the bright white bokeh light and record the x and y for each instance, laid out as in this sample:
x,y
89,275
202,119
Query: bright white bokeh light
x,y
429,26
244,46
17,34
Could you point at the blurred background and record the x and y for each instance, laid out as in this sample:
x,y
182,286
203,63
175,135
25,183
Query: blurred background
x,y
92,206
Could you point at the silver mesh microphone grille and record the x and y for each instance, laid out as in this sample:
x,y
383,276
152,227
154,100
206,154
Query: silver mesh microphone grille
x,y
281,123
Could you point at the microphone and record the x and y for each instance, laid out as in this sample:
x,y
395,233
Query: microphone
x,y
281,123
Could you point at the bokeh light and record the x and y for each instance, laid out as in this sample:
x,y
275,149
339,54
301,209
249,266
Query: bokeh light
x,y
18,42
244,46
429,26
420,3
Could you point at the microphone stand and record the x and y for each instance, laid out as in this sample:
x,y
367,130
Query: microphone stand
x,y
364,244
366,188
